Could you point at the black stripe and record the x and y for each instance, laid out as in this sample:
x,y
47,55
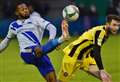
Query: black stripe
x,y
75,48
104,39
83,51
97,36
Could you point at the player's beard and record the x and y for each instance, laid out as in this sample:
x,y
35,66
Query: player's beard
x,y
24,17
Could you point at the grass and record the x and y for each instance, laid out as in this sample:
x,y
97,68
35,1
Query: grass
x,y
13,69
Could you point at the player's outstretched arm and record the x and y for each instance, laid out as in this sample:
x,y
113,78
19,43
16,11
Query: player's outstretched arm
x,y
44,24
104,76
100,74
4,44
52,31
65,31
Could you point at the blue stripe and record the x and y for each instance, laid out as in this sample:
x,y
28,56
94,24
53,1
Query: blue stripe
x,y
31,36
29,22
16,26
13,28
47,25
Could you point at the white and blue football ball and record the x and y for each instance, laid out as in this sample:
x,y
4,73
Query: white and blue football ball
x,y
71,13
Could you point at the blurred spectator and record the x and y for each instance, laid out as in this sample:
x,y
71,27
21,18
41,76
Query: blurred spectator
x,y
87,23
8,8
89,16
82,9
118,8
93,16
115,2
84,17
112,9
41,7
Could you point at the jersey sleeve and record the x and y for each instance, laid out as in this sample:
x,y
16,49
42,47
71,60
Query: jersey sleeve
x,y
99,37
41,22
52,31
11,32
4,43
44,24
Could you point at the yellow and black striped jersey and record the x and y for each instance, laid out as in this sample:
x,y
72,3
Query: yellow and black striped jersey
x,y
79,48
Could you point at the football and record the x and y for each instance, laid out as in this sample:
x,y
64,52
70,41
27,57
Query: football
x,y
70,13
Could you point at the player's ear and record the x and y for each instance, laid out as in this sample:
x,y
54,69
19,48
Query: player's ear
x,y
107,23
16,13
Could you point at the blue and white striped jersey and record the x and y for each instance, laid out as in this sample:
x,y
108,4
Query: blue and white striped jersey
x,y
29,32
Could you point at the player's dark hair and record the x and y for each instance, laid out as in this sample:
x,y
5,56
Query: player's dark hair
x,y
18,2
112,17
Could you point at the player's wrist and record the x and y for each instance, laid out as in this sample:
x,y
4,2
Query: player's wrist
x,y
101,70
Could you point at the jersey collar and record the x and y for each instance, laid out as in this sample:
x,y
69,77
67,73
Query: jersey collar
x,y
26,21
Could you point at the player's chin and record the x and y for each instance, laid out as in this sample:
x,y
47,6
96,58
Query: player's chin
x,y
25,16
114,32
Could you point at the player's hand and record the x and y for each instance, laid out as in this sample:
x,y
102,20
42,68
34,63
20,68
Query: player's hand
x,y
38,51
64,27
105,77
58,47
64,24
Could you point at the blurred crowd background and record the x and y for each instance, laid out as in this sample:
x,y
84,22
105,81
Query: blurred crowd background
x,y
92,13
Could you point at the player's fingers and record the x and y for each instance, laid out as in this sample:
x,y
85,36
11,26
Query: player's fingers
x,y
64,24
104,77
109,77
106,80
38,51
58,47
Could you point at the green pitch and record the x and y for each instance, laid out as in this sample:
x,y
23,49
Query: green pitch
x,y
13,69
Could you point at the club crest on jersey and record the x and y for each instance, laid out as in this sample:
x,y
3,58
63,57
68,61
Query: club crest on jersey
x,y
65,74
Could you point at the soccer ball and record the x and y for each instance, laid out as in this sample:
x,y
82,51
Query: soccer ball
x,y
71,13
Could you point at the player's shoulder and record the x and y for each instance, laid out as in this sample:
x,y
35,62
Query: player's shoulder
x,y
99,28
36,14
15,24
36,17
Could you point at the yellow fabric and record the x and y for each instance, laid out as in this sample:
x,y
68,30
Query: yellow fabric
x,y
76,48
90,37
68,68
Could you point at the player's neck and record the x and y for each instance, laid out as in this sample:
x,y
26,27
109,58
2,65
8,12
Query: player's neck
x,y
107,29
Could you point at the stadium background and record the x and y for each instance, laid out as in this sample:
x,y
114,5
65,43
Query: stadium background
x,y
92,12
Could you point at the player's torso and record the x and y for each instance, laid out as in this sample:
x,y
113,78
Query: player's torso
x,y
27,33
80,48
